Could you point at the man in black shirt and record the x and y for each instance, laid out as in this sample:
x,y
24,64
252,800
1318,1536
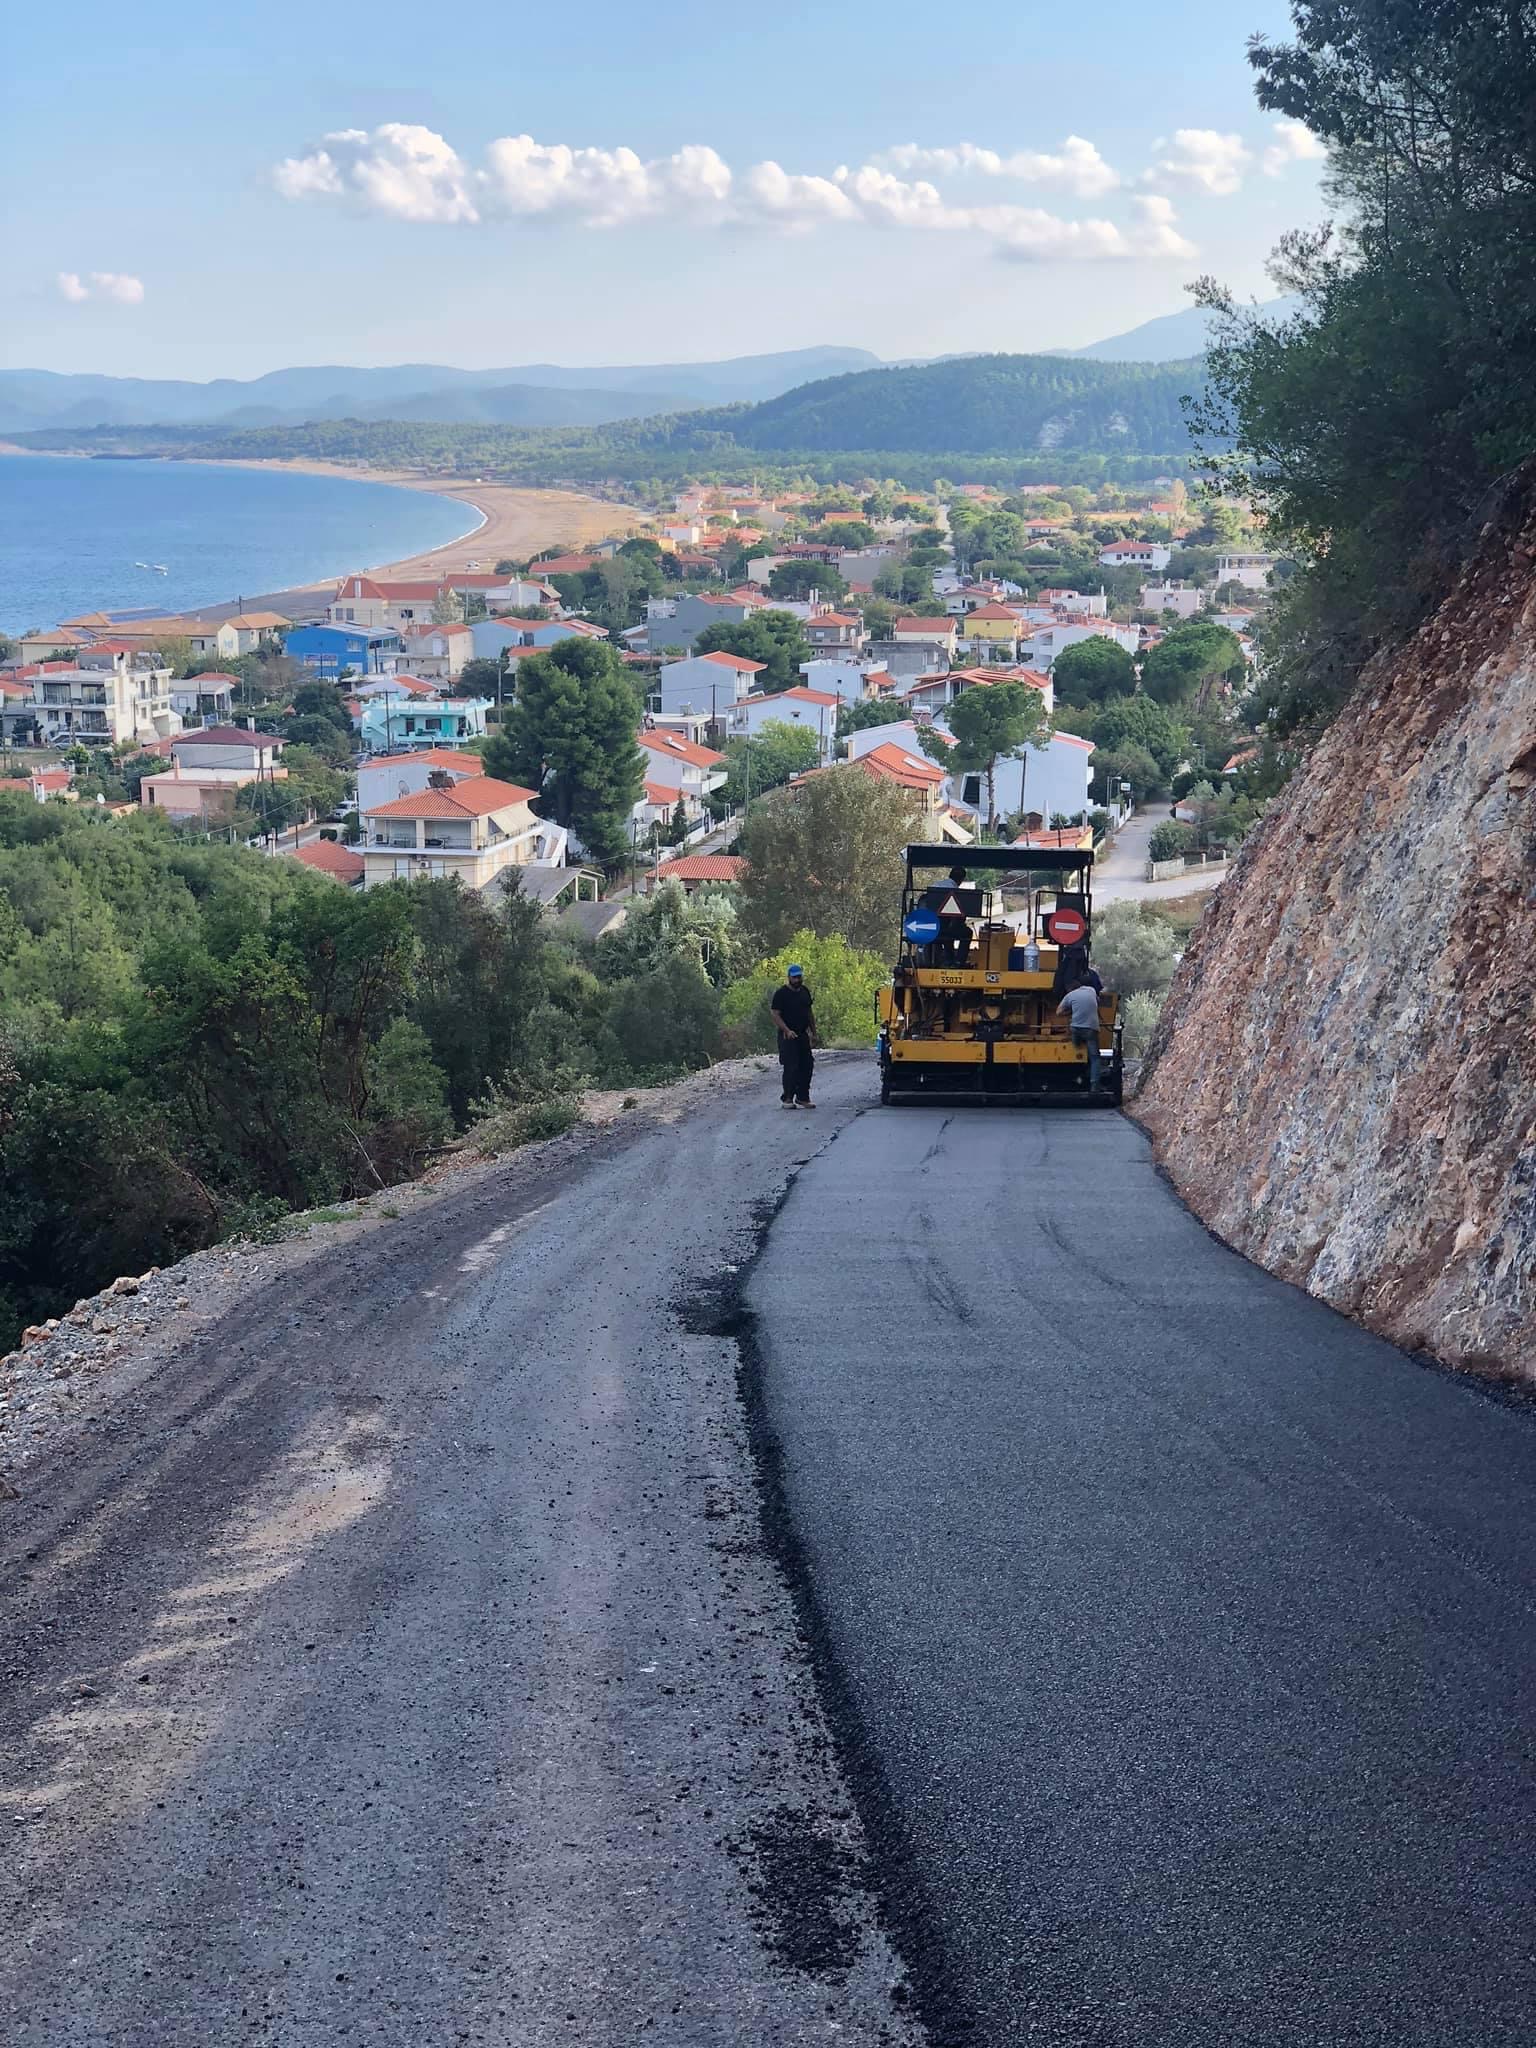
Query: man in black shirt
x,y
795,1020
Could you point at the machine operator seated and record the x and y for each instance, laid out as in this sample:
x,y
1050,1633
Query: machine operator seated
x,y
956,901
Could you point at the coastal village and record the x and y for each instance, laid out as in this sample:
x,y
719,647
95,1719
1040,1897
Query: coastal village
x,y
769,639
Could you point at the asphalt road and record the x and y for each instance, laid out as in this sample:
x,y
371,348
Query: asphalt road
x,y
407,1665
424,1657
1181,1633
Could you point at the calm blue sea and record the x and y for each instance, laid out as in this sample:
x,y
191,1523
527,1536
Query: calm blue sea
x,y
71,531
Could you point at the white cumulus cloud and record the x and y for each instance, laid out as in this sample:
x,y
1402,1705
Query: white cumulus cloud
x,y
413,174
1076,167
1294,143
1203,159
100,284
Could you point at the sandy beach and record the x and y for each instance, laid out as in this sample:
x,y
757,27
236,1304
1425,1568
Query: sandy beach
x,y
501,521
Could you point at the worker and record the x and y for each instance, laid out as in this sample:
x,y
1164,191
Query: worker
x,y
1072,967
1080,1005
794,1018
954,943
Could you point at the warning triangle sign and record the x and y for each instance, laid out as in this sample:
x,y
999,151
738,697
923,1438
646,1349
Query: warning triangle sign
x,y
950,907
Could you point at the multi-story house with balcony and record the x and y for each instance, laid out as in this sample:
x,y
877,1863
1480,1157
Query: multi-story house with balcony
x,y
108,699
473,829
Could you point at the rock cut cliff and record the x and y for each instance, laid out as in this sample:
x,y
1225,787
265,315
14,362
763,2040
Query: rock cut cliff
x,y
1344,1082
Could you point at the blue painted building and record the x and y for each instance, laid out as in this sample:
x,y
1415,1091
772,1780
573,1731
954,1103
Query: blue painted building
x,y
330,650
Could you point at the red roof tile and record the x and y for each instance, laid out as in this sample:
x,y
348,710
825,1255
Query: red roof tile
x,y
331,858
735,661
701,867
674,745
476,797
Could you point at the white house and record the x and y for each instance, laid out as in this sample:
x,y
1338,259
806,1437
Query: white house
x,y
1041,648
209,697
1251,570
1039,782
1182,599
109,699
845,679
474,829
1135,554
439,651
712,683
816,710
247,631
681,765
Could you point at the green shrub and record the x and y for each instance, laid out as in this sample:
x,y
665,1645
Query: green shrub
x,y
842,981
1139,1014
1170,840
1133,949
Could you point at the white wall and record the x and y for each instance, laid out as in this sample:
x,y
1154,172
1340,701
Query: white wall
x,y
843,679
697,685
1052,779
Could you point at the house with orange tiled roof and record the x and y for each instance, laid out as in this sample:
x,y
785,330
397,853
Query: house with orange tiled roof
x,y
693,871
328,857
389,775
680,764
471,830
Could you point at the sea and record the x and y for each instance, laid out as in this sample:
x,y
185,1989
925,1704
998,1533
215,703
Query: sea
x,y
80,535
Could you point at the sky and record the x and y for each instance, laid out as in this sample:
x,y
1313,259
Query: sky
x,y
235,192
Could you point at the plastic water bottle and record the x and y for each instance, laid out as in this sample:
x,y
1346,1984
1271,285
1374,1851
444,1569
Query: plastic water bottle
x,y
1031,958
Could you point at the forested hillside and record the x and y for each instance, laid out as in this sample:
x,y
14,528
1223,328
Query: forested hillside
x,y
984,404
986,417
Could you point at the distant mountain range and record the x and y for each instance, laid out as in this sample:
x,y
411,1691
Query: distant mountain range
x,y
532,395
535,395
1173,338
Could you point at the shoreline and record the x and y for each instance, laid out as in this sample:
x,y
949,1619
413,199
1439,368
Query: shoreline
x,y
511,521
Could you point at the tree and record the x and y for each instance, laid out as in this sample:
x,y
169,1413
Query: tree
x,y
777,639
846,533
1373,422
796,581
1141,721
571,737
1128,763
1169,840
1134,950
904,586
482,677
1090,670
990,722
865,712
842,979
678,829
827,858
1190,661
778,751
322,700
879,616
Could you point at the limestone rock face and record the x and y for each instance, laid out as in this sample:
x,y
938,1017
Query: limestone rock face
x,y
1343,1084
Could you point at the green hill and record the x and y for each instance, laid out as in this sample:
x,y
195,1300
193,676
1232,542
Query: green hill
x,y
983,405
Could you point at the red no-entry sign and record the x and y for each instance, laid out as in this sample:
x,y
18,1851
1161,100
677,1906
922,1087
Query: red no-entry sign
x,y
1066,927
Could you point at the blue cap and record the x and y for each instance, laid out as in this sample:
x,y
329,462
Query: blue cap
x,y
794,970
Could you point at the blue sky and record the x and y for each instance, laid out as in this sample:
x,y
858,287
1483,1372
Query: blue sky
x,y
161,238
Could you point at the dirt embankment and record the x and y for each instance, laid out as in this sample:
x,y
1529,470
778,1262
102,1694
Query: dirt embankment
x,y
1344,1083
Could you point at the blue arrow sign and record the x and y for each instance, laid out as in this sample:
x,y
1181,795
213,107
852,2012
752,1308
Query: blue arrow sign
x,y
921,927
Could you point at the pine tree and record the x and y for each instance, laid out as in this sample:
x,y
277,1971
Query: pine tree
x,y
571,738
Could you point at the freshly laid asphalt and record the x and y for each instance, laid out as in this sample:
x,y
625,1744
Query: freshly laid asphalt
x,y
429,1653
1180,1633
